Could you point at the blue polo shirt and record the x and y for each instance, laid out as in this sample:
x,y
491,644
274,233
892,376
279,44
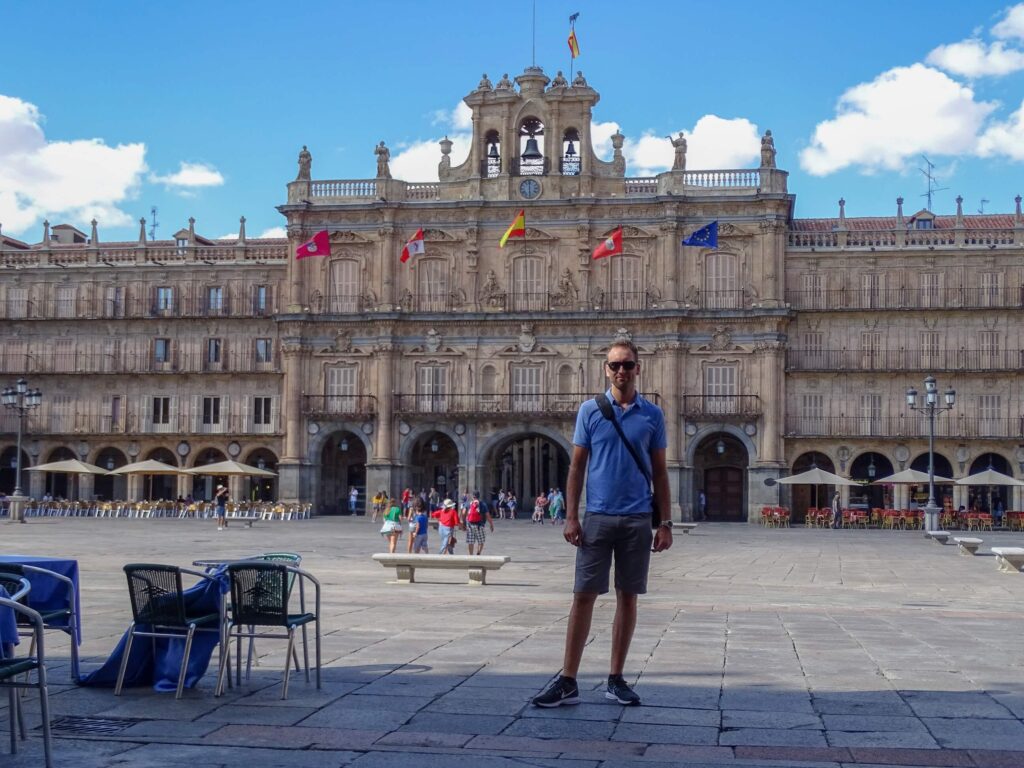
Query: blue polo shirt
x,y
615,486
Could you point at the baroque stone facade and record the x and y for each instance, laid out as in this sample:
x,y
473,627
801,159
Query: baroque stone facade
x,y
792,343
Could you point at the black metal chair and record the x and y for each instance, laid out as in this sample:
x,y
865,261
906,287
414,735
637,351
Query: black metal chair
x,y
158,610
16,673
63,619
260,596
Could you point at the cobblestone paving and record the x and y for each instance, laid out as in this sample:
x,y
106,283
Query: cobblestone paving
x,y
754,648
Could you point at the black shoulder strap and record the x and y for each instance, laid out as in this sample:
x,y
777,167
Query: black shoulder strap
x,y
606,410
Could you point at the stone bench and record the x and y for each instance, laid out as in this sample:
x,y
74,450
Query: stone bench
x,y
967,545
1009,559
686,527
477,565
940,536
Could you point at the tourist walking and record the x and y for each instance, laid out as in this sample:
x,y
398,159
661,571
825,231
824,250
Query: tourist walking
x,y
837,512
540,504
392,527
619,468
220,499
447,522
419,539
477,519
513,504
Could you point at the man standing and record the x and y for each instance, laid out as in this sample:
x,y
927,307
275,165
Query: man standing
x,y
702,505
617,524
353,499
837,514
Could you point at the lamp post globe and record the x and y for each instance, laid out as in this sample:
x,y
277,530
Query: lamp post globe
x,y
931,408
21,400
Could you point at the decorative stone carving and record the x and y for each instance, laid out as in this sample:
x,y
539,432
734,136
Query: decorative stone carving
x,y
721,339
618,159
491,295
527,341
444,168
405,300
579,81
622,334
485,84
305,164
343,341
559,81
568,293
597,298
433,340
767,150
383,156
316,301
692,296
679,145
504,84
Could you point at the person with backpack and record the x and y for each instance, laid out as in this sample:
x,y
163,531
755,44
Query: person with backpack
x,y
477,516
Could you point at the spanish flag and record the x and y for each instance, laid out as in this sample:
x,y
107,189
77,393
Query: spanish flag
x,y
574,44
517,228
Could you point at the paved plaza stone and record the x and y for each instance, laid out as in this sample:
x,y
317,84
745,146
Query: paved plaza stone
x,y
754,647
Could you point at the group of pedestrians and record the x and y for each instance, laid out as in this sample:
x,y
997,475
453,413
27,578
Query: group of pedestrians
x,y
470,516
550,504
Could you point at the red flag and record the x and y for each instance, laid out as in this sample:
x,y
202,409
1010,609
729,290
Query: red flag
x,y
320,245
414,247
610,246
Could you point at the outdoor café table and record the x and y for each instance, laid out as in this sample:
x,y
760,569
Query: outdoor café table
x,y
8,629
158,663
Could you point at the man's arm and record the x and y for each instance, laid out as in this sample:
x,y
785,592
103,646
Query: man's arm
x,y
662,499
573,491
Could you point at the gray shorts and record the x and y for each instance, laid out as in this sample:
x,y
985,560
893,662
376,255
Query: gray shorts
x,y
628,538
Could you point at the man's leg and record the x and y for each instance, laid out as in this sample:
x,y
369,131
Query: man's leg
x,y
622,629
577,631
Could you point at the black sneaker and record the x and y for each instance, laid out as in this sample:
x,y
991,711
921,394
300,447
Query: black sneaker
x,y
619,690
563,691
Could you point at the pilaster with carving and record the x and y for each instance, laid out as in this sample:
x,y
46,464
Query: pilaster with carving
x,y
773,395
388,246
384,355
291,401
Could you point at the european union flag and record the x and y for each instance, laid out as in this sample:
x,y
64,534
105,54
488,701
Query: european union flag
x,y
705,237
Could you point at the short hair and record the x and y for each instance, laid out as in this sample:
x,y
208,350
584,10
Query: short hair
x,y
626,344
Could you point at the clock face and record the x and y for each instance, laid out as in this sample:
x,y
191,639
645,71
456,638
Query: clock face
x,y
529,188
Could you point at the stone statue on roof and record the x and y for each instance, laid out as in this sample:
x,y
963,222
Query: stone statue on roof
x,y
679,144
383,156
305,164
767,150
504,84
485,84
559,81
579,81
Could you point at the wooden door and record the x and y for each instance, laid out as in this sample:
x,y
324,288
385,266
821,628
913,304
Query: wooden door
x,y
724,489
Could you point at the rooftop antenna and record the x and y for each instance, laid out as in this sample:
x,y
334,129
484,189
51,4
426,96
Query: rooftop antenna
x,y
533,54
932,181
983,201
153,224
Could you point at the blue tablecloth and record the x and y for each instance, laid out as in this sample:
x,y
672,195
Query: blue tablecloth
x,y
49,594
161,669
8,628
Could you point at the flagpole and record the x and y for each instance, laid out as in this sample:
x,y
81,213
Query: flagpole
x,y
533,54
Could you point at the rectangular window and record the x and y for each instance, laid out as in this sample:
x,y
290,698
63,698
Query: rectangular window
x,y
213,351
931,289
62,414
17,302
165,299
161,410
344,286
814,353
215,300
813,286
527,284
211,410
929,349
812,414
64,356
870,414
115,414
432,388
432,285
989,347
264,351
259,299
720,389
341,389
261,410
990,414
871,350
525,388
627,292
991,288
721,282
65,301
161,350
871,289
113,301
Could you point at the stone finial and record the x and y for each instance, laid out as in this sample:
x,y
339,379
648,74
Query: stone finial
x,y
94,236
305,164
444,168
618,160
1017,218
46,232
899,211
142,231
959,210
241,229
842,210
191,229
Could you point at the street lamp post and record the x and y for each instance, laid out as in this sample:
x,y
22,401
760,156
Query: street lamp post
x,y
21,400
931,408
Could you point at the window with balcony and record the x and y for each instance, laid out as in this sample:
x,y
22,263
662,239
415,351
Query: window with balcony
x,y
721,282
340,386
432,285
261,411
812,414
871,285
528,284
260,299
264,351
215,300
871,357
814,352
17,303
989,347
813,287
931,289
161,411
930,356
161,351
62,414
991,288
626,288
213,351
164,299
870,414
115,414
720,389
64,356
432,388
211,411
345,285
65,301
113,301
488,384
525,388
990,411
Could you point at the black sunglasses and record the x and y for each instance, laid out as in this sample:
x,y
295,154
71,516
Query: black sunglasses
x,y
627,365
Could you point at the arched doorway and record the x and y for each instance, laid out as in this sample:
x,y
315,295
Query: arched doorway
x,y
803,497
434,463
720,466
204,485
60,485
342,467
8,470
943,468
985,496
161,486
109,487
526,464
262,488
867,468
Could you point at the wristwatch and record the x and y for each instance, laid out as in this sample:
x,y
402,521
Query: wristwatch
x,y
665,524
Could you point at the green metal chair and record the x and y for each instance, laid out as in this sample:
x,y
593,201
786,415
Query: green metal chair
x,y
16,673
63,619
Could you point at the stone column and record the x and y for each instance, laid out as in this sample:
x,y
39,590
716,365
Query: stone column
x,y
773,373
384,445
291,400
86,487
669,250
296,271
388,259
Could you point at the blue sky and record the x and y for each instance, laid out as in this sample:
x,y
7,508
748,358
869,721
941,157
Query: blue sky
x,y
200,109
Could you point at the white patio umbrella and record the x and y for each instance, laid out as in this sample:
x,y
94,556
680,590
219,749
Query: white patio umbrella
x,y
816,476
230,468
69,466
910,477
147,467
989,477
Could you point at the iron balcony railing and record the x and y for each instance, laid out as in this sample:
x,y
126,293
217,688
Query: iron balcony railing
x,y
326,406
958,297
904,359
911,426
243,304
562,405
49,359
87,419
721,407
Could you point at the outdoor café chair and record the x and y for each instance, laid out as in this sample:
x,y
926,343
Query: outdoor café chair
x,y
16,674
158,610
260,597
63,619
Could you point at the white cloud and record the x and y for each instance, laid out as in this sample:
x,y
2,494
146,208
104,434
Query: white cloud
x,y
1004,137
71,181
973,58
273,232
1012,26
601,137
901,113
190,176
418,161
